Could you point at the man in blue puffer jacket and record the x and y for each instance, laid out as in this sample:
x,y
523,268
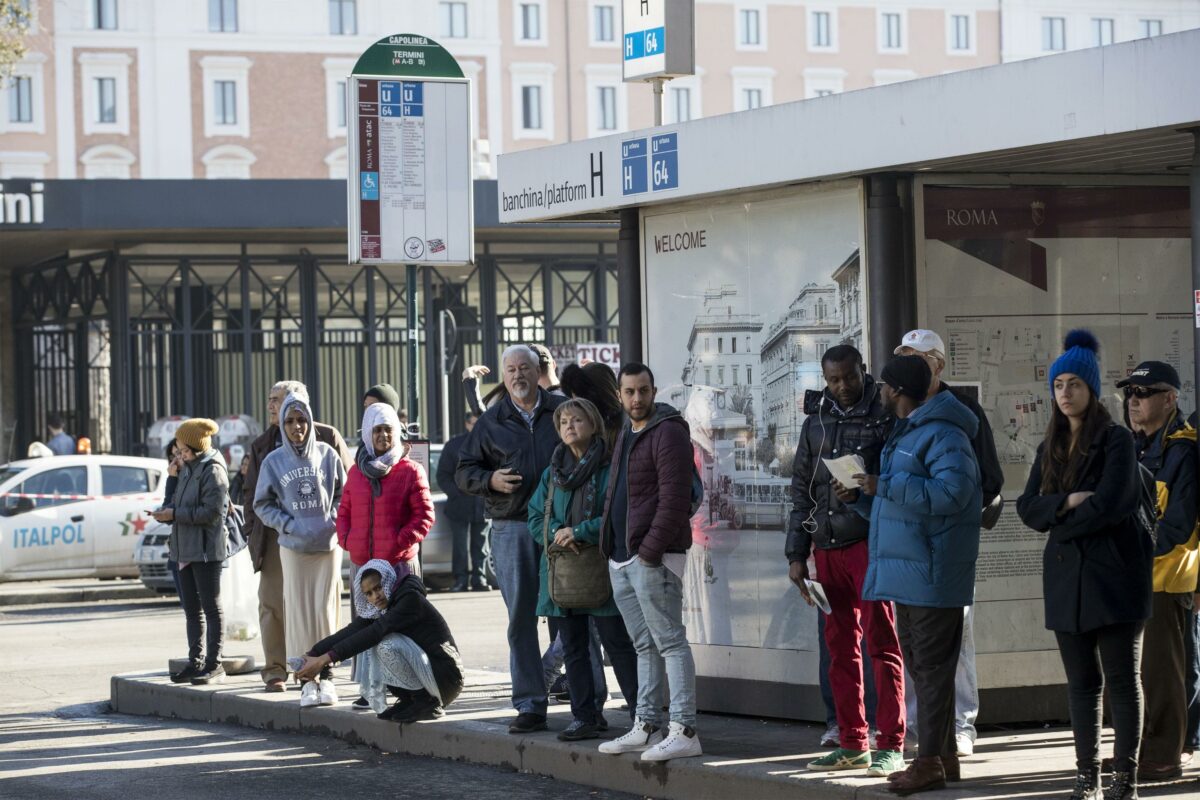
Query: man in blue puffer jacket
x,y
925,508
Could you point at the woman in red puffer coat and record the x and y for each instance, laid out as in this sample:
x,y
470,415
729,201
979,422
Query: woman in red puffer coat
x,y
386,508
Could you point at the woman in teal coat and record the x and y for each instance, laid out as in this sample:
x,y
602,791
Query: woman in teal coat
x,y
575,484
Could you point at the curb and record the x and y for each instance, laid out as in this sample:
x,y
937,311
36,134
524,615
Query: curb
x,y
480,742
81,595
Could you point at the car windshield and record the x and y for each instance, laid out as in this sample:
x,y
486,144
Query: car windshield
x,y
434,457
7,472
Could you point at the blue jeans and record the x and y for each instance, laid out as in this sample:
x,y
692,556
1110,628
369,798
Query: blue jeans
x,y
966,685
827,690
517,556
1191,741
554,658
650,600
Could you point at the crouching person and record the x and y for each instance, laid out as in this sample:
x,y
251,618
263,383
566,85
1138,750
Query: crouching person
x,y
403,645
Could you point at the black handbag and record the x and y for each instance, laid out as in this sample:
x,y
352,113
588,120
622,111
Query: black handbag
x,y
574,579
235,531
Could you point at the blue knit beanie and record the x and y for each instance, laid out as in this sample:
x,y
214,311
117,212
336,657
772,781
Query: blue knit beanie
x,y
1080,358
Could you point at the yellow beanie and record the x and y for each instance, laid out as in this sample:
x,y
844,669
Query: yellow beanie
x,y
196,433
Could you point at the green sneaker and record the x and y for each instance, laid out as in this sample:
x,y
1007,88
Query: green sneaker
x,y
841,759
885,762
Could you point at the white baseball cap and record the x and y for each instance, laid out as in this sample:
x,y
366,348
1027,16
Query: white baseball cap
x,y
922,341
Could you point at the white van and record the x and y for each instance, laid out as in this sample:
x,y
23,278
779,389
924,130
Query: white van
x,y
76,516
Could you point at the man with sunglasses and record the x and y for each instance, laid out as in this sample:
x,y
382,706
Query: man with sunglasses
x,y
1167,447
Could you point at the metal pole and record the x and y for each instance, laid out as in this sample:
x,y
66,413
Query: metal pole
x,y
629,287
411,299
445,375
658,100
1195,209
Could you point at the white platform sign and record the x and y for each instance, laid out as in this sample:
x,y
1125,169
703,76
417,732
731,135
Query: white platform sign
x,y
410,164
659,38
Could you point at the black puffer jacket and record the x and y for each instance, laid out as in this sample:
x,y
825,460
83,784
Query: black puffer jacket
x,y
502,440
1096,569
832,433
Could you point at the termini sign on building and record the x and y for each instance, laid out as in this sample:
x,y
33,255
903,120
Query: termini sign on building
x,y
409,192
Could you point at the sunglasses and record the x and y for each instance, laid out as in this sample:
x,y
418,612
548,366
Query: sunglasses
x,y
1141,392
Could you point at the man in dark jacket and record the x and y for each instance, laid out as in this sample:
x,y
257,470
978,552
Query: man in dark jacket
x,y
925,507
264,542
464,512
929,345
1166,446
850,420
502,460
645,533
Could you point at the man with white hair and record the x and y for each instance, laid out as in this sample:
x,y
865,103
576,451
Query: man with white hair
x,y
501,461
929,345
1166,446
264,542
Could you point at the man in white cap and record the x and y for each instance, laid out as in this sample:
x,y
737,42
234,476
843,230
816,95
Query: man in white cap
x,y
929,345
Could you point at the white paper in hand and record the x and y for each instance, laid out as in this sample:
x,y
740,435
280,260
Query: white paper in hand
x,y
845,468
817,593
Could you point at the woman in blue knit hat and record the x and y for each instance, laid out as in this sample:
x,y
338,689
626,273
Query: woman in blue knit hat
x,y
1096,570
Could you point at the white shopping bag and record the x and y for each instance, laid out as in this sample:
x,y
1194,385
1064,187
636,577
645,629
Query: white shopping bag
x,y
239,597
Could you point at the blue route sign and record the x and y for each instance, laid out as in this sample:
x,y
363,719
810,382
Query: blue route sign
x,y
642,44
664,161
635,166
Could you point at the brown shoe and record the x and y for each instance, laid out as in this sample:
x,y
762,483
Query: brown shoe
x,y
276,685
924,773
951,768
1151,771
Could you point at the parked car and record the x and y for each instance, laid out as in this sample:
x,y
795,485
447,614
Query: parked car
x,y
76,516
150,555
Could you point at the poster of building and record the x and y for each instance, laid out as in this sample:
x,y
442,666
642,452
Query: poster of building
x,y
741,300
1005,273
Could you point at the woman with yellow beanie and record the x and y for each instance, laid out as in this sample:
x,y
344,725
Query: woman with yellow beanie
x,y
197,512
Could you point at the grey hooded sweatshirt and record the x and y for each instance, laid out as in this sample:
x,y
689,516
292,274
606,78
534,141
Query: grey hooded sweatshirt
x,y
300,487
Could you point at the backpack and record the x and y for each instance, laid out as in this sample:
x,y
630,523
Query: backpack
x,y
697,492
1146,515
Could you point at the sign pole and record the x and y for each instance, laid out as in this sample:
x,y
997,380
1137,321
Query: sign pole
x,y
658,101
413,323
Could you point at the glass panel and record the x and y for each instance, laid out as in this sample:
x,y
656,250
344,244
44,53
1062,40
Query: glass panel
x,y
123,480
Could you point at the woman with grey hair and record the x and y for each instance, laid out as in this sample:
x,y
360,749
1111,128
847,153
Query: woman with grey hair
x,y
565,514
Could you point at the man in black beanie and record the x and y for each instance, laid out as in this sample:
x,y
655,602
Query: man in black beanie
x,y
925,509
382,393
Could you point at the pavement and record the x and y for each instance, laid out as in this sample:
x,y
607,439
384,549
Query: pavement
x,y
81,590
744,757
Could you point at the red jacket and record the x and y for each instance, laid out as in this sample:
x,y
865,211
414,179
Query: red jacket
x,y
659,477
390,526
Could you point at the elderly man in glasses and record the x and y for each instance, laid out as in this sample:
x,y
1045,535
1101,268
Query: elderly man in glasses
x,y
1167,448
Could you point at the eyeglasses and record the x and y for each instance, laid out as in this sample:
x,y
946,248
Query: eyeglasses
x,y
1141,392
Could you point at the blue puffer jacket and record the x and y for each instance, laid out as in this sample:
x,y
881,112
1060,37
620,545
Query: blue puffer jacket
x,y
926,512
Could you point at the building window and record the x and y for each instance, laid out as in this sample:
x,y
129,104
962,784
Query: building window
x,y
733,343
340,100
823,81
720,344
225,102
106,100
751,99
603,16
531,108
822,29
531,22
454,20
107,161
749,379
822,92
708,376
606,106
343,17
960,32
105,15
735,371
1151,27
749,29
20,100
681,103
1102,32
222,16
707,344
891,33
720,376
228,161
1054,34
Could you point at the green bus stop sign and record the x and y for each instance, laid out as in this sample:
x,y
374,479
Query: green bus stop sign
x,y
407,55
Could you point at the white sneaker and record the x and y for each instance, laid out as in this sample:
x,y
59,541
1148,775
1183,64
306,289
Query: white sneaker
x,y
310,695
328,693
964,745
681,742
832,737
641,736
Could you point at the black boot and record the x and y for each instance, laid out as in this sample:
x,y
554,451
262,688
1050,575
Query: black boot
x,y
424,706
1087,786
1122,787
186,674
460,585
404,701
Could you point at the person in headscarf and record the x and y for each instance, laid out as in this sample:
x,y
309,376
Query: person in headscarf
x,y
298,493
405,646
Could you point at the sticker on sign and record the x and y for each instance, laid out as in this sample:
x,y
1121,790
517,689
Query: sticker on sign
x,y
658,38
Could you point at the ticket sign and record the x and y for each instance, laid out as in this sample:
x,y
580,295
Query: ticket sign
x,y
659,38
410,185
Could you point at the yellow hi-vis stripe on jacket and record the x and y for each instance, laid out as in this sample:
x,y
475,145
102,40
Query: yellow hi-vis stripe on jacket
x,y
1177,571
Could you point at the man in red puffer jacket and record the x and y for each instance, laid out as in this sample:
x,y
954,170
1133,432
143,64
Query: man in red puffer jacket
x,y
645,534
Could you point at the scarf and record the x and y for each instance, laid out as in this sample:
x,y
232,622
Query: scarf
x,y
387,580
569,474
376,466
305,449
